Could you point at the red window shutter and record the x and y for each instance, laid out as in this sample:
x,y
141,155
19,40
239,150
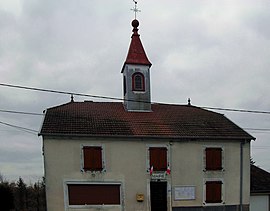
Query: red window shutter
x,y
158,158
92,158
213,192
94,194
213,158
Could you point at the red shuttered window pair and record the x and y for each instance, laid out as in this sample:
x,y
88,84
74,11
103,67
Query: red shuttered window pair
x,y
213,192
213,159
158,158
92,158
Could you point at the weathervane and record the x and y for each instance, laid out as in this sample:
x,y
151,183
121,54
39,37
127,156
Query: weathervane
x,y
135,9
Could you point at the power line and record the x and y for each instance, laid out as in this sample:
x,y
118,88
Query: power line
x,y
115,98
59,92
21,112
257,129
121,99
20,128
237,110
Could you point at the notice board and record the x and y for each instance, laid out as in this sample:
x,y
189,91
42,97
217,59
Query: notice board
x,y
184,193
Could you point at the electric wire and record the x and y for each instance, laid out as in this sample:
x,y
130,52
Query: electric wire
x,y
258,129
237,110
60,92
21,112
20,128
121,99
262,130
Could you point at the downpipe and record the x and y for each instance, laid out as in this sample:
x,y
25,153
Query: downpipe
x,y
241,175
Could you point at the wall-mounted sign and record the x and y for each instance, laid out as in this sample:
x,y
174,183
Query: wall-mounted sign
x,y
158,176
184,193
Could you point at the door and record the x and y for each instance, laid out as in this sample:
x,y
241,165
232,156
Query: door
x,y
158,196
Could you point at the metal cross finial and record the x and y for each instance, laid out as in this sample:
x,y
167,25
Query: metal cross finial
x,y
135,9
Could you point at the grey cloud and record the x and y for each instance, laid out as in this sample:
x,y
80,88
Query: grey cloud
x,y
218,57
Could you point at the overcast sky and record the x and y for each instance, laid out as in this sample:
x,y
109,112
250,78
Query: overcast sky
x,y
215,52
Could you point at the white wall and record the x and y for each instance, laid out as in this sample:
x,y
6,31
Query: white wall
x,y
126,162
259,203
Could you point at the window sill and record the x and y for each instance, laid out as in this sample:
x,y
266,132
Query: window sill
x,y
93,171
138,91
94,206
218,170
213,204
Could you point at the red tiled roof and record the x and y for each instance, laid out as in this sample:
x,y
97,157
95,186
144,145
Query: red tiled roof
x,y
136,53
259,180
165,121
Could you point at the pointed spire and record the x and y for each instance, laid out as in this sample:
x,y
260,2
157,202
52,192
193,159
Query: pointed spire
x,y
136,53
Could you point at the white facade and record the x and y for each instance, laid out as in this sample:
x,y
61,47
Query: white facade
x,y
127,164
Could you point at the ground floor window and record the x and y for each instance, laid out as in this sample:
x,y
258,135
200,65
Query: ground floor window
x,y
93,194
213,191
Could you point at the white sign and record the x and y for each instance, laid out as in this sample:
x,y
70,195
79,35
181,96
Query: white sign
x,y
158,176
184,193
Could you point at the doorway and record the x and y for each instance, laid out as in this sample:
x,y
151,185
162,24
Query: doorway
x,y
158,196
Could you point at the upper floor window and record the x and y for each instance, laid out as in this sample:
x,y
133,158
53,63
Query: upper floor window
x,y
92,158
138,83
213,158
158,158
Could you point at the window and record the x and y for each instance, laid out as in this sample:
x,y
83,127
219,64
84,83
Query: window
x,y
158,158
92,158
138,82
213,192
213,159
93,194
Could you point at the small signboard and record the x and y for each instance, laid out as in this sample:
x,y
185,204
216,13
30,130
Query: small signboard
x,y
184,193
158,176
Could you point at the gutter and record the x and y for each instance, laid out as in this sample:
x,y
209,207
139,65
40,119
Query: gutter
x,y
260,192
148,136
241,176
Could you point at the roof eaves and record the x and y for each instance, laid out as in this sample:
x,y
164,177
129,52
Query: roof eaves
x,y
135,63
250,136
258,192
149,136
42,122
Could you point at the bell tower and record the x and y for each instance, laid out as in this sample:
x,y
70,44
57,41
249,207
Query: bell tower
x,y
136,75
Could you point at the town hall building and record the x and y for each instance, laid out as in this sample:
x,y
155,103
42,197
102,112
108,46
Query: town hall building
x,y
143,156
